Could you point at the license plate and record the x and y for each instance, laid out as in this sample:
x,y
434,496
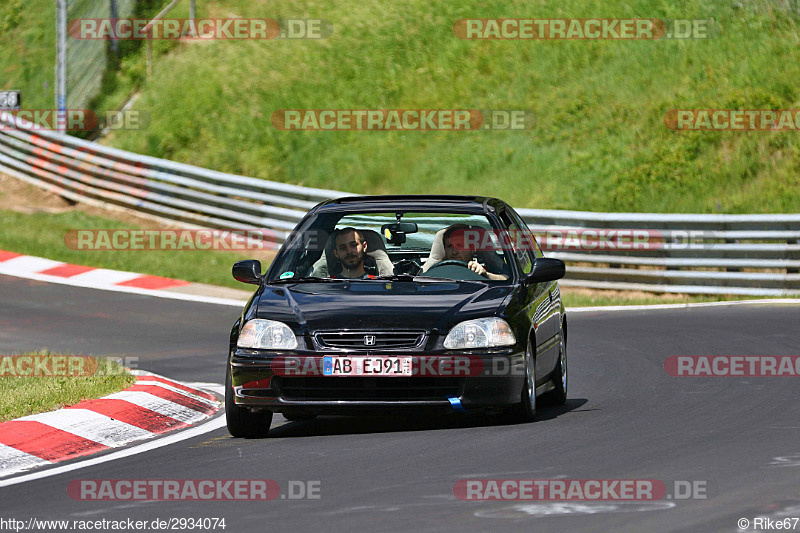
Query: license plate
x,y
376,366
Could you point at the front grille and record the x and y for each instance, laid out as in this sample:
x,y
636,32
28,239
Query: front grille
x,y
367,340
349,388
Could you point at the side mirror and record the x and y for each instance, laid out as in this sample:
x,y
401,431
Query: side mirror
x,y
247,271
545,269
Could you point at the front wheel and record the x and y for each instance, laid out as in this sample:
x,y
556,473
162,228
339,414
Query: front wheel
x,y
241,422
525,411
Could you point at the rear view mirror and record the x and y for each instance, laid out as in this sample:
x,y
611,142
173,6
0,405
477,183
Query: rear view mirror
x,y
248,271
395,233
545,269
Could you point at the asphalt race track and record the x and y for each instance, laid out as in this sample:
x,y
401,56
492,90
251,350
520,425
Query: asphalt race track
x,y
625,419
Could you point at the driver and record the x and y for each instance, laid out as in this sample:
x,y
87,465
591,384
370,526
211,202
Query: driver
x,y
350,248
455,249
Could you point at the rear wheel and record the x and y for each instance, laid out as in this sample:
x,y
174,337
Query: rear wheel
x,y
558,396
241,422
525,411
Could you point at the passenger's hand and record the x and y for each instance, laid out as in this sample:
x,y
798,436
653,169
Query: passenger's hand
x,y
477,268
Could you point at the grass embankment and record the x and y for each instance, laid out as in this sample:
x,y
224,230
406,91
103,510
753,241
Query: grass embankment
x,y
42,381
600,142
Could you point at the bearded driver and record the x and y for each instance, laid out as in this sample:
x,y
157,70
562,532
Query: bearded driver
x,y
351,249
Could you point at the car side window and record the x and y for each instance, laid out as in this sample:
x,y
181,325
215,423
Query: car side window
x,y
529,237
519,238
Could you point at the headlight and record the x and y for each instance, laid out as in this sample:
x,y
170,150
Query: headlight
x,y
266,334
480,333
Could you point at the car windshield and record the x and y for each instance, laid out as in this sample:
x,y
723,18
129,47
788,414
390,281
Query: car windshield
x,y
393,245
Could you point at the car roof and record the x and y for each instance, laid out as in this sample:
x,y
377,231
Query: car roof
x,y
477,204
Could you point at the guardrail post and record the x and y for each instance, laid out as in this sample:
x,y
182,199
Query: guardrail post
x,y
192,16
61,64
114,13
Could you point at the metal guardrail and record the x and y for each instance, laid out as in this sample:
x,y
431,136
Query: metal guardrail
x,y
703,254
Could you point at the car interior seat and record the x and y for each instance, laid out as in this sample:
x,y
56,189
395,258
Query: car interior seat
x,y
328,264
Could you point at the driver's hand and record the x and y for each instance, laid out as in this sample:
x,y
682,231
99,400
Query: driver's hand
x,y
477,268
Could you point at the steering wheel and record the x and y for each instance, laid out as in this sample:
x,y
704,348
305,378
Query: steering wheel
x,y
455,262
453,269
407,266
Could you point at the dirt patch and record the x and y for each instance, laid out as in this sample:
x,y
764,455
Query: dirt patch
x,y
22,197
624,295
16,195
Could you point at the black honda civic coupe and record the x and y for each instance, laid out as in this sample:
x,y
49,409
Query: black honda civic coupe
x,y
398,302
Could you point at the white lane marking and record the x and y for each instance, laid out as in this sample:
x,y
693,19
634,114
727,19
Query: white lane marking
x,y
128,290
532,510
29,263
210,403
771,301
159,405
92,426
210,387
211,425
102,276
13,460
786,460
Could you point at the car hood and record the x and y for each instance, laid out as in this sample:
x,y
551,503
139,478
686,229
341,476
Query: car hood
x,y
360,305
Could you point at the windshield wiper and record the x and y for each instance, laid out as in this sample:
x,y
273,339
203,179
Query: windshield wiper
x,y
398,277
305,279
409,277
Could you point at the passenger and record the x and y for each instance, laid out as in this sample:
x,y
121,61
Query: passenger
x,y
458,251
350,248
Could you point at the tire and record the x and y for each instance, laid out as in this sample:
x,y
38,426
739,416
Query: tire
x,y
558,396
241,422
525,410
298,416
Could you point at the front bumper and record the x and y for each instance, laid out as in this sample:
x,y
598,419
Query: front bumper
x,y
260,382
